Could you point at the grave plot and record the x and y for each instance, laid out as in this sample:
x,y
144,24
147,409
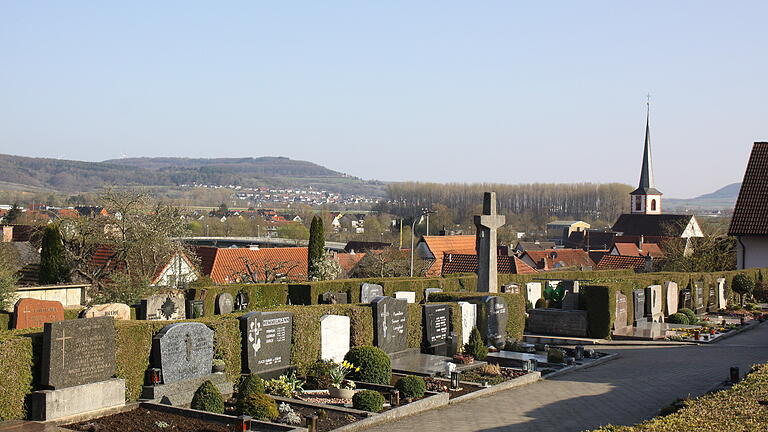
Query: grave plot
x,y
545,359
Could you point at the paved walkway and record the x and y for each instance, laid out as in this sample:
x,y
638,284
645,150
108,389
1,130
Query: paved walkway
x,y
625,391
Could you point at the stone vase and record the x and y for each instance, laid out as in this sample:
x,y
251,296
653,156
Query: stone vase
x,y
341,393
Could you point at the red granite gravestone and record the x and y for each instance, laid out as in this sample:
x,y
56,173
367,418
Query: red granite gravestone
x,y
29,313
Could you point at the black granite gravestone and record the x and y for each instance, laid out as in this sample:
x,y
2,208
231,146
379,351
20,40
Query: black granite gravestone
x,y
390,320
266,342
241,301
195,309
685,299
368,292
698,298
183,351
492,319
225,304
77,352
333,298
712,301
638,299
437,321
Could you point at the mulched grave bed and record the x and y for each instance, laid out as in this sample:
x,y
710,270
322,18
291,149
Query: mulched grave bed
x,y
328,419
143,420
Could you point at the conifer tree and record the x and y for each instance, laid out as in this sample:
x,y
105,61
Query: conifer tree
x,y
53,264
315,249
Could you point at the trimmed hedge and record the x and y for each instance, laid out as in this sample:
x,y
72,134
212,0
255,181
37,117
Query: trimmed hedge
x,y
598,301
16,372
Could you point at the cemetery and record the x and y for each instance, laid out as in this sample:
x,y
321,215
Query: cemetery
x,y
315,356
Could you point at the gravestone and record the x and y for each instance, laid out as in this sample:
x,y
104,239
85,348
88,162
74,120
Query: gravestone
x,y
533,292
686,300
468,319
486,244
368,292
183,351
712,299
620,320
408,296
334,337
698,298
673,297
164,307
429,291
266,342
557,322
571,295
511,289
241,301
30,313
195,309
653,303
493,316
722,301
77,352
225,304
333,298
437,323
390,321
77,363
638,298
118,311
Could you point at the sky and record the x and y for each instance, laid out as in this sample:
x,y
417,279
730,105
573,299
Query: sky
x,y
493,91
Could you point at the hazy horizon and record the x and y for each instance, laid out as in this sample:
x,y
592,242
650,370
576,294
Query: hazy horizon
x,y
490,92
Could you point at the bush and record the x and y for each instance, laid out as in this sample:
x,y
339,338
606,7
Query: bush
x,y
743,285
555,355
476,347
319,375
375,365
208,398
250,384
678,318
368,400
541,303
411,386
692,318
258,406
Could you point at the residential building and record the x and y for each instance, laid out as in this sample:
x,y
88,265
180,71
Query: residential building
x,y
559,231
750,217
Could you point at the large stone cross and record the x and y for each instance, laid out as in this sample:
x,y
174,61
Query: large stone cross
x,y
486,244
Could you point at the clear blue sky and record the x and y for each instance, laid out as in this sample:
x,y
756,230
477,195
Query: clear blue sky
x,y
430,91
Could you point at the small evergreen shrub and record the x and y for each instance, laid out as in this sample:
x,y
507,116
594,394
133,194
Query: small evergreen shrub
x,y
411,386
248,385
375,365
555,355
476,347
258,406
208,398
319,375
368,400
678,318
541,303
692,318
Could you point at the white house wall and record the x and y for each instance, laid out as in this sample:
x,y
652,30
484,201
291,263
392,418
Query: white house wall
x,y
756,252
171,273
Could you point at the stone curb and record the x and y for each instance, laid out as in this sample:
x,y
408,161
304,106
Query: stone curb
x,y
506,385
428,403
748,327
597,362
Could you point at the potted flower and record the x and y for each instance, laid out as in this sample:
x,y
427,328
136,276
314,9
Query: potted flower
x,y
341,387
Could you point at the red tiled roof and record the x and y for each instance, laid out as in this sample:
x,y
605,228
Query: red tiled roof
x,y
224,265
105,257
630,249
67,212
348,261
561,258
619,262
439,245
467,263
750,217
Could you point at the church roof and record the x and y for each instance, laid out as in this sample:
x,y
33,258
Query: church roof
x,y
664,225
750,217
646,186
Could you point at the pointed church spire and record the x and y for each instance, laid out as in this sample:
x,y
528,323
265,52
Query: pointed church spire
x,y
646,185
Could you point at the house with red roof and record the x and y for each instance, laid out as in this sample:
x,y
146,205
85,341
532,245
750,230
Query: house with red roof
x,y
467,263
178,271
433,248
238,265
750,217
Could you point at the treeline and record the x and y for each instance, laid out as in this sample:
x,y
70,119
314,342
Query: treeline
x,y
575,200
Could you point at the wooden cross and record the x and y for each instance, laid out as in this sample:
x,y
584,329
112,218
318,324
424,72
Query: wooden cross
x,y
63,338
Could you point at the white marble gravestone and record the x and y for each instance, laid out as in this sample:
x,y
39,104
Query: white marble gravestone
x,y
533,292
722,302
673,297
468,319
334,337
429,291
408,296
653,303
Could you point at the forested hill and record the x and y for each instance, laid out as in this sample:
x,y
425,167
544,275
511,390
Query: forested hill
x,y
78,176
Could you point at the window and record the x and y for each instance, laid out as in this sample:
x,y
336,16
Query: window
x,y
638,203
653,205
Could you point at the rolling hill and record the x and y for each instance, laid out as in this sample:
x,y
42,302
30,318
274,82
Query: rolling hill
x,y
723,198
21,173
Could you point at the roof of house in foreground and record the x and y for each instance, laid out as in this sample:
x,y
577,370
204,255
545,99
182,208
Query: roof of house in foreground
x,y
467,263
750,217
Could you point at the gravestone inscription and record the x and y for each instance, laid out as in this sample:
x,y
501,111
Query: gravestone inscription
x,y
164,307
368,292
118,311
29,313
712,301
77,352
673,297
390,318
241,301
266,341
638,298
698,298
493,318
686,300
183,351
468,319
620,320
225,304
437,320
334,337
195,309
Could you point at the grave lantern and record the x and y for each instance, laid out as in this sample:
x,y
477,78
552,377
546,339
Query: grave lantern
x,y
245,423
394,398
455,379
155,376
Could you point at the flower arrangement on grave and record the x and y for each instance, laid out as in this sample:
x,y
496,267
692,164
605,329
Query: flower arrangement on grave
x,y
339,372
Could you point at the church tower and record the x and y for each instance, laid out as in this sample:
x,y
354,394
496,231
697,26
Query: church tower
x,y
646,199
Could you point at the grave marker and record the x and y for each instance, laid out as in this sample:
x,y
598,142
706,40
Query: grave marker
x,y
486,225
673,297
266,341
722,301
493,318
30,313
437,321
77,352
653,303
533,292
164,307
468,319
408,296
333,298
429,291
390,320
620,321
334,337
368,292
686,301
195,309
118,311
712,300
183,351
638,298
225,304
698,298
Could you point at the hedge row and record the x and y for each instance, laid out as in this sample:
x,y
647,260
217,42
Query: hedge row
x,y
739,408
